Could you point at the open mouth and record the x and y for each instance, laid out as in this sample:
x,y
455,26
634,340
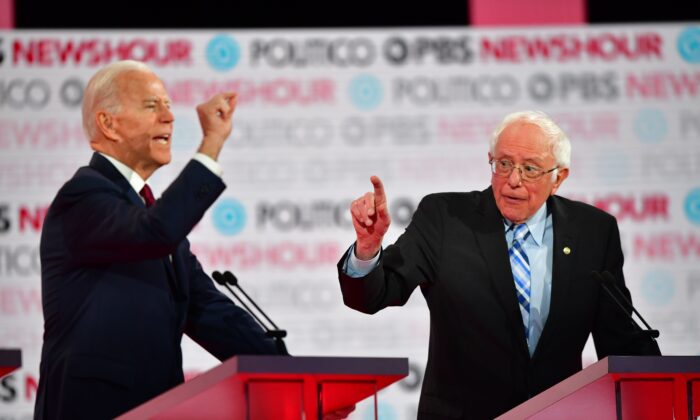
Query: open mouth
x,y
513,199
162,139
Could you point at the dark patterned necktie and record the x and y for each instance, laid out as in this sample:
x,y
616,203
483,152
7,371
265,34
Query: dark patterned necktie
x,y
147,195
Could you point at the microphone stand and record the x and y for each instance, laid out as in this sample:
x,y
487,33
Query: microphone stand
x,y
226,279
606,281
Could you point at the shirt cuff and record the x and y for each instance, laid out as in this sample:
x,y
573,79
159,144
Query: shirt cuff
x,y
209,163
355,267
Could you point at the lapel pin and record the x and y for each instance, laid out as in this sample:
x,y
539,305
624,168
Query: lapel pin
x,y
567,250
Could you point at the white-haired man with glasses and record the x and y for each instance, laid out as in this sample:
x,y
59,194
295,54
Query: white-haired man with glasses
x,y
505,273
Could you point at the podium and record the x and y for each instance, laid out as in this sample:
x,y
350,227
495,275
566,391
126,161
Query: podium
x,y
621,388
10,360
275,387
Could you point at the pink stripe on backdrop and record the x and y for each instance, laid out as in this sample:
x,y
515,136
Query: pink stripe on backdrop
x,y
7,14
526,12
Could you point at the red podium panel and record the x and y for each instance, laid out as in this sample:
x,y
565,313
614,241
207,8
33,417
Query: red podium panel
x,y
10,359
275,388
621,388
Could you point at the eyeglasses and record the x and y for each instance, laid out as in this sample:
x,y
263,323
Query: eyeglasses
x,y
504,167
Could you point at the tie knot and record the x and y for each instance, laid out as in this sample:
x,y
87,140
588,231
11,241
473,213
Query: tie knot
x,y
147,195
520,232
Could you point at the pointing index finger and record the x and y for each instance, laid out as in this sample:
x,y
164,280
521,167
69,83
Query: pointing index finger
x,y
379,195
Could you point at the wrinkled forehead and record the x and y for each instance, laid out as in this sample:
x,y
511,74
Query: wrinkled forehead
x,y
524,137
142,85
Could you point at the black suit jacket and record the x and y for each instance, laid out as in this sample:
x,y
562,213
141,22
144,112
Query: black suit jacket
x,y
115,305
478,362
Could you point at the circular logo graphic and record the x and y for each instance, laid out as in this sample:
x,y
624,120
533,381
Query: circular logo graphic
x,y
658,287
384,412
366,92
650,125
692,206
689,45
229,217
223,52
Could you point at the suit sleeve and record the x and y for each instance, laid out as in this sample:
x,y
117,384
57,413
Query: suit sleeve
x,y
412,261
100,225
614,333
217,324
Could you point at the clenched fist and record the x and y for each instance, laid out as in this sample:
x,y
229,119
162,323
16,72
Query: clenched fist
x,y
215,118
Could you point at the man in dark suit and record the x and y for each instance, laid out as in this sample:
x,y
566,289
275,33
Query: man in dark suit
x,y
119,283
505,273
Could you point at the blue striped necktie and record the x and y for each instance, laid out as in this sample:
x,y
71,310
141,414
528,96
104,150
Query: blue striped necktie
x,y
521,272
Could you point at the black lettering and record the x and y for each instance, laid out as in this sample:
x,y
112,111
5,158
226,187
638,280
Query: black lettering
x,y
5,223
71,93
8,390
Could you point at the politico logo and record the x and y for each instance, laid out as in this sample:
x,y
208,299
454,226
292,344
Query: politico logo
x,y
365,92
689,45
385,411
484,89
658,287
223,53
650,125
313,52
229,217
287,215
692,206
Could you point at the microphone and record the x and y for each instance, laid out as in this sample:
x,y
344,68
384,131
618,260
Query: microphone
x,y
607,280
226,279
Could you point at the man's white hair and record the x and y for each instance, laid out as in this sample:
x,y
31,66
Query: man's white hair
x,y
559,142
101,92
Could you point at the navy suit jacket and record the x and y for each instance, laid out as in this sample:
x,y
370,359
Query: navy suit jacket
x,y
479,365
116,306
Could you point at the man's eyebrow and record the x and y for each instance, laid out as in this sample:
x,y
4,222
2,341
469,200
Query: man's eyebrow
x,y
154,99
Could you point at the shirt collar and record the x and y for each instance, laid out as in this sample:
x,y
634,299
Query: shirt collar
x,y
131,176
535,224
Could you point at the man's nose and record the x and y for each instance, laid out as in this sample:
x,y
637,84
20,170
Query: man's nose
x,y
516,177
167,115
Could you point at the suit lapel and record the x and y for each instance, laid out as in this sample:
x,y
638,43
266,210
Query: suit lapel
x,y
491,238
105,167
565,235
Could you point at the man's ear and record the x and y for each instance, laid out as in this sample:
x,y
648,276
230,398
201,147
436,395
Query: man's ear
x,y
106,125
562,174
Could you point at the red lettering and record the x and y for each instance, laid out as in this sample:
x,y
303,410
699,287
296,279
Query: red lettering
x,y
35,220
285,255
569,47
666,246
30,386
15,301
48,52
663,85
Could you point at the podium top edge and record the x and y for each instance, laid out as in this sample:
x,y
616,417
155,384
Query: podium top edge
x,y
10,357
654,364
321,364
